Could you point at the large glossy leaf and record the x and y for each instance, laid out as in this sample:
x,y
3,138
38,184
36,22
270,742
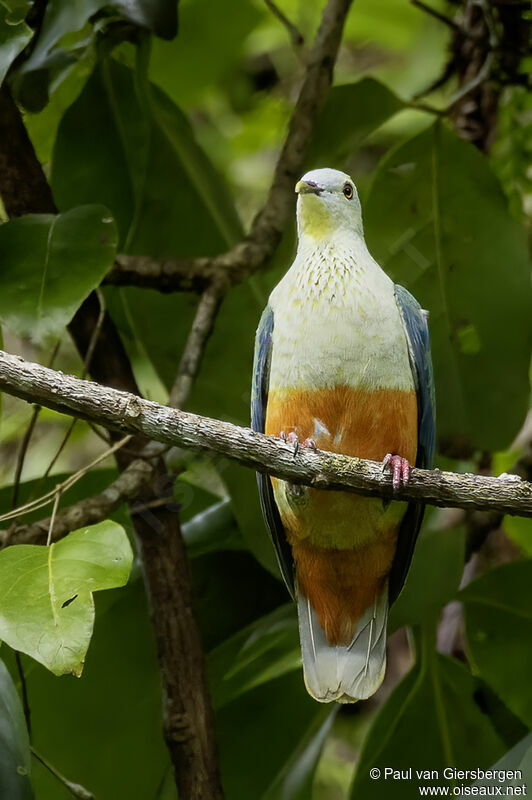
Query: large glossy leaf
x,y
430,721
67,36
105,730
159,16
129,147
295,780
514,769
47,607
498,612
350,113
208,49
49,266
13,39
15,758
261,652
433,579
212,529
61,43
437,221
519,530
270,736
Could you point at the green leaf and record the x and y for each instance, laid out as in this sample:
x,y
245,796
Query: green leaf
x,y
50,265
158,16
129,147
295,780
15,759
351,112
437,221
231,591
433,579
58,47
211,530
47,606
519,530
517,760
430,721
278,729
208,50
261,652
115,709
498,613
13,39
17,10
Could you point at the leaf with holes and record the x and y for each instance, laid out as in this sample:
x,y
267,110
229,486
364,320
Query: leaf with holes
x,y
47,609
50,264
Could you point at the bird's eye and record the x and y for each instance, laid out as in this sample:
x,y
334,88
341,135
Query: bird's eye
x,y
348,191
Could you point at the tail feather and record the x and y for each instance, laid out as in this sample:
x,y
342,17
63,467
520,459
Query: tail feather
x,y
345,673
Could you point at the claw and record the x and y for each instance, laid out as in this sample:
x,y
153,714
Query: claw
x,y
291,438
400,469
294,440
310,443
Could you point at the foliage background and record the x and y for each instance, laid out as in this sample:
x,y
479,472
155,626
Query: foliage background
x,y
176,137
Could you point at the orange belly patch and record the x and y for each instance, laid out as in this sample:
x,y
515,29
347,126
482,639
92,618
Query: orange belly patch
x,y
343,544
355,422
342,584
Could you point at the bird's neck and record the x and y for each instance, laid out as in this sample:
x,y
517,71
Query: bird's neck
x,y
344,246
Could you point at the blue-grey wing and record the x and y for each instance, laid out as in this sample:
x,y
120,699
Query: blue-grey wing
x,y
417,334
259,402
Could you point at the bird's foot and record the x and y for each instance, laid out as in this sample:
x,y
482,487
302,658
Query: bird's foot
x,y
293,439
400,468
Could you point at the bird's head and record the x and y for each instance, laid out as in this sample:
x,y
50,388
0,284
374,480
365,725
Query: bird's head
x,y
327,204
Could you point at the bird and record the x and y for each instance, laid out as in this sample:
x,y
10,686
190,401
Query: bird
x,y
342,363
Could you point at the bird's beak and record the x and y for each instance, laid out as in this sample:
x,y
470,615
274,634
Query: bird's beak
x,y
308,187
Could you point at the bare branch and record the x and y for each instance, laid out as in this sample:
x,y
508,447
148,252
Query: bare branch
x,y
296,37
75,789
21,457
188,721
434,13
129,413
197,339
258,246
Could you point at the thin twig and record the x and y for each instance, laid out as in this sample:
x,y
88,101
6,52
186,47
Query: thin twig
x,y
195,346
24,689
258,246
296,36
468,87
85,512
75,789
49,497
437,14
27,436
52,518
127,412
21,457
86,366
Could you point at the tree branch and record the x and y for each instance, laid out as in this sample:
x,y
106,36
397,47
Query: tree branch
x,y
129,413
195,345
188,717
88,511
258,246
